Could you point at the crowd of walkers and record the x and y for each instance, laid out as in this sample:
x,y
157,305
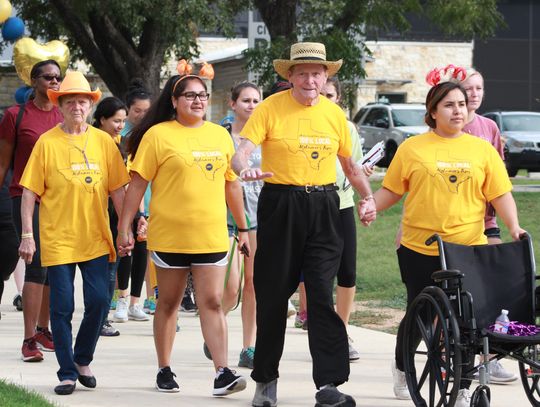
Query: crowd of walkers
x,y
243,213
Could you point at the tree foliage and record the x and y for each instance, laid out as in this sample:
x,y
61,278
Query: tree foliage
x,y
342,25
126,39
123,39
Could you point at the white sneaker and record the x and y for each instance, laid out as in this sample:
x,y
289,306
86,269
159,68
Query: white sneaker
x,y
121,313
353,353
291,310
401,391
498,374
136,313
463,398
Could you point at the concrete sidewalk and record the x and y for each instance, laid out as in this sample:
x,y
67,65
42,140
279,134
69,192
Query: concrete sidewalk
x,y
125,367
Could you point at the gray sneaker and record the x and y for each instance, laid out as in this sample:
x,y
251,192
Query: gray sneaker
x,y
265,394
246,357
330,396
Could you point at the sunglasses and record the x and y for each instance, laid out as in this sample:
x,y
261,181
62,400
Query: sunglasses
x,y
51,77
192,95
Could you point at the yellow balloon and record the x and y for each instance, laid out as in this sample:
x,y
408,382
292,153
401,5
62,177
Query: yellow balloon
x,y
27,52
5,10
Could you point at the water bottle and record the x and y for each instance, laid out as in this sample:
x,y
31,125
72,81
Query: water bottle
x,y
502,322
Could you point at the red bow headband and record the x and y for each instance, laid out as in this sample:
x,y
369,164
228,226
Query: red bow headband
x,y
450,73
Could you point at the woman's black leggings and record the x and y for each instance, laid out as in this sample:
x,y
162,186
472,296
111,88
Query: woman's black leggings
x,y
134,266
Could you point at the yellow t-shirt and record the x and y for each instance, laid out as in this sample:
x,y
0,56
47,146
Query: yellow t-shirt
x,y
299,143
73,176
188,168
448,183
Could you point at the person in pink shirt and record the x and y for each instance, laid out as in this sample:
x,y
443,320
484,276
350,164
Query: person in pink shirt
x,y
486,129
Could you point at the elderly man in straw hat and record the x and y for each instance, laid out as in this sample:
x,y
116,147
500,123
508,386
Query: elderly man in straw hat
x,y
299,229
72,169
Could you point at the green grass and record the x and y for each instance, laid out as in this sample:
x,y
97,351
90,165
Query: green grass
x,y
378,279
16,396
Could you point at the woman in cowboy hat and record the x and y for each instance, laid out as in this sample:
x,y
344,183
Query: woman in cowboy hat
x,y
299,229
72,170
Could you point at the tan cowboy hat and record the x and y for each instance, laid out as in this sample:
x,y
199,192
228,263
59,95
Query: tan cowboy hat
x,y
306,53
74,83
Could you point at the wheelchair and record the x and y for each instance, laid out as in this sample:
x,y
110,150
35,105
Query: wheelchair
x,y
446,325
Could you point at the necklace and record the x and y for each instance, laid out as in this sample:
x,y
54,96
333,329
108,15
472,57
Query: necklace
x,y
81,150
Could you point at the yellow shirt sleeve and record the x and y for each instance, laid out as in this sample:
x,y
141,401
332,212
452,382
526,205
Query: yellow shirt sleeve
x,y
256,128
118,175
33,177
395,179
146,162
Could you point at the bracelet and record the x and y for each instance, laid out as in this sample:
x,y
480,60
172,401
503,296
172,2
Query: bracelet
x,y
28,235
243,230
369,197
241,173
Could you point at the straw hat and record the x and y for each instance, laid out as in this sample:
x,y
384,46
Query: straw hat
x,y
306,53
74,83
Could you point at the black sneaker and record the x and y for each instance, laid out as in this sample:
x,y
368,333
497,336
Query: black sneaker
x,y
187,304
330,396
165,381
228,382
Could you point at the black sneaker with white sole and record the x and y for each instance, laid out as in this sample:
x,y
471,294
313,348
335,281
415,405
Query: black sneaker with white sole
x,y
330,396
165,381
227,382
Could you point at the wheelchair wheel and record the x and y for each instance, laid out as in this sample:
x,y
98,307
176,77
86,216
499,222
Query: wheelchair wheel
x,y
530,377
436,356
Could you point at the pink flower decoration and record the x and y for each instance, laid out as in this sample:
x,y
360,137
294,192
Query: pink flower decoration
x,y
433,77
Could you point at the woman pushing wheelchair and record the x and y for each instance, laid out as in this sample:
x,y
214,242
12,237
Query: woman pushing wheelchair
x,y
449,176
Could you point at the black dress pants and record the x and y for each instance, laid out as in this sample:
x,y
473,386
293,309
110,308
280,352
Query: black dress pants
x,y
299,232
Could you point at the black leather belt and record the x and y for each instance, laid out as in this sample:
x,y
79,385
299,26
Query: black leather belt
x,y
304,188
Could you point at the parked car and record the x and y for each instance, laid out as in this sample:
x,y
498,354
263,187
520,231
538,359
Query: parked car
x,y
521,134
391,123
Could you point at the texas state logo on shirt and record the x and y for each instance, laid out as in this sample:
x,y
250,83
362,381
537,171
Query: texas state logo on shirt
x,y
82,170
315,146
452,170
208,159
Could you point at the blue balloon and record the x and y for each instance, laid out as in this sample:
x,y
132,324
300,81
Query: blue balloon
x,y
23,94
13,29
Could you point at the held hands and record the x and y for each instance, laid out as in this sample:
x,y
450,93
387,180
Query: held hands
x,y
254,174
125,243
27,248
142,226
367,210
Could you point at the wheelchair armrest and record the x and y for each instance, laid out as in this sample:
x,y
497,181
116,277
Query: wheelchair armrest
x,y
442,275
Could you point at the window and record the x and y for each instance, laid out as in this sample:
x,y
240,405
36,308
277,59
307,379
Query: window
x,y
398,97
377,117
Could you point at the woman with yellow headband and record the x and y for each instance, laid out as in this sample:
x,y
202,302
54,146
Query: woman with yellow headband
x,y
187,159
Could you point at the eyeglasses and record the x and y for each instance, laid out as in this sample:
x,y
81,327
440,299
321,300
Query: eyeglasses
x,y
192,95
51,77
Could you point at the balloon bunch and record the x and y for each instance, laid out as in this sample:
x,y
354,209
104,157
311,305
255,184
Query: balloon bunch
x,y
27,52
13,27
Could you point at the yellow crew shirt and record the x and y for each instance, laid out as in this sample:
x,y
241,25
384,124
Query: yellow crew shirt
x,y
73,176
188,168
448,181
299,143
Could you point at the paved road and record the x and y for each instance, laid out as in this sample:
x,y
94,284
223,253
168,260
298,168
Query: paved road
x,y
125,367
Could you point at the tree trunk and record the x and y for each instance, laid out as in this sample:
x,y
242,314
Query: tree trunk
x,y
114,56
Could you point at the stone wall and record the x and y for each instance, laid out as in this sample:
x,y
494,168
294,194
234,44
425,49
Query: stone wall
x,y
401,67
